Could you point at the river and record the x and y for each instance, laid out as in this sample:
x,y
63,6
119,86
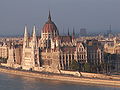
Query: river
x,y
13,82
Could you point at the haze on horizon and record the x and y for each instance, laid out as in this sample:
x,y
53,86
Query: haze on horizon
x,y
94,15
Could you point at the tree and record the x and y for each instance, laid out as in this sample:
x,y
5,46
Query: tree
x,y
87,67
103,66
74,65
3,60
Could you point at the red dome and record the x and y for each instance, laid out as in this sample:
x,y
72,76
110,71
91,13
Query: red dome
x,y
50,26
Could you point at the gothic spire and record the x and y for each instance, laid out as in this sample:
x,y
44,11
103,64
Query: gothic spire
x,y
25,37
49,17
73,34
34,43
34,31
68,32
25,33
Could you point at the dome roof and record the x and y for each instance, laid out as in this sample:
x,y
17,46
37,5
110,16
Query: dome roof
x,y
49,26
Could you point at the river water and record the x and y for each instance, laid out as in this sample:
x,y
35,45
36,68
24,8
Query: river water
x,y
13,82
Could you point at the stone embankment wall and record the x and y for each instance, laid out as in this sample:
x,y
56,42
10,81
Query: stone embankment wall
x,y
63,78
73,73
90,75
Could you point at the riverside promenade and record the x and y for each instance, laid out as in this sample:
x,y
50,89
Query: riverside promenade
x,y
67,78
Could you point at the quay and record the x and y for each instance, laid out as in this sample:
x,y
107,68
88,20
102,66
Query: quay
x,y
67,78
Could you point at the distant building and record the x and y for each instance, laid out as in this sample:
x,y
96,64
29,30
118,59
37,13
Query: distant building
x,y
113,46
109,32
83,32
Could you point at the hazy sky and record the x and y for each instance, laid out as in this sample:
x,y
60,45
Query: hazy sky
x,y
94,15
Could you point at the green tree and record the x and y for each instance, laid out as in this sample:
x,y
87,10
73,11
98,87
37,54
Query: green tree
x,y
3,60
87,67
74,65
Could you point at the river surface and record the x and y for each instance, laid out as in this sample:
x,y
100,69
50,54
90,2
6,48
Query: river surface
x,y
13,82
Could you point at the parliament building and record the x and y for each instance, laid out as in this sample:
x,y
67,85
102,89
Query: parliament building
x,y
51,50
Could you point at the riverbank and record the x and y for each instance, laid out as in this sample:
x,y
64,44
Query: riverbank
x,y
94,81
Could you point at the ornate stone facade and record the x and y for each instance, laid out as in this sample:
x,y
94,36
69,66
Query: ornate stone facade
x,y
30,58
95,52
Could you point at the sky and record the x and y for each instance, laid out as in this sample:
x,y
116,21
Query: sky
x,y
94,15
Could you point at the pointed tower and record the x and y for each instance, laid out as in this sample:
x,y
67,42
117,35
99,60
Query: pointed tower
x,y
35,49
68,32
34,39
27,62
49,31
25,40
73,34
